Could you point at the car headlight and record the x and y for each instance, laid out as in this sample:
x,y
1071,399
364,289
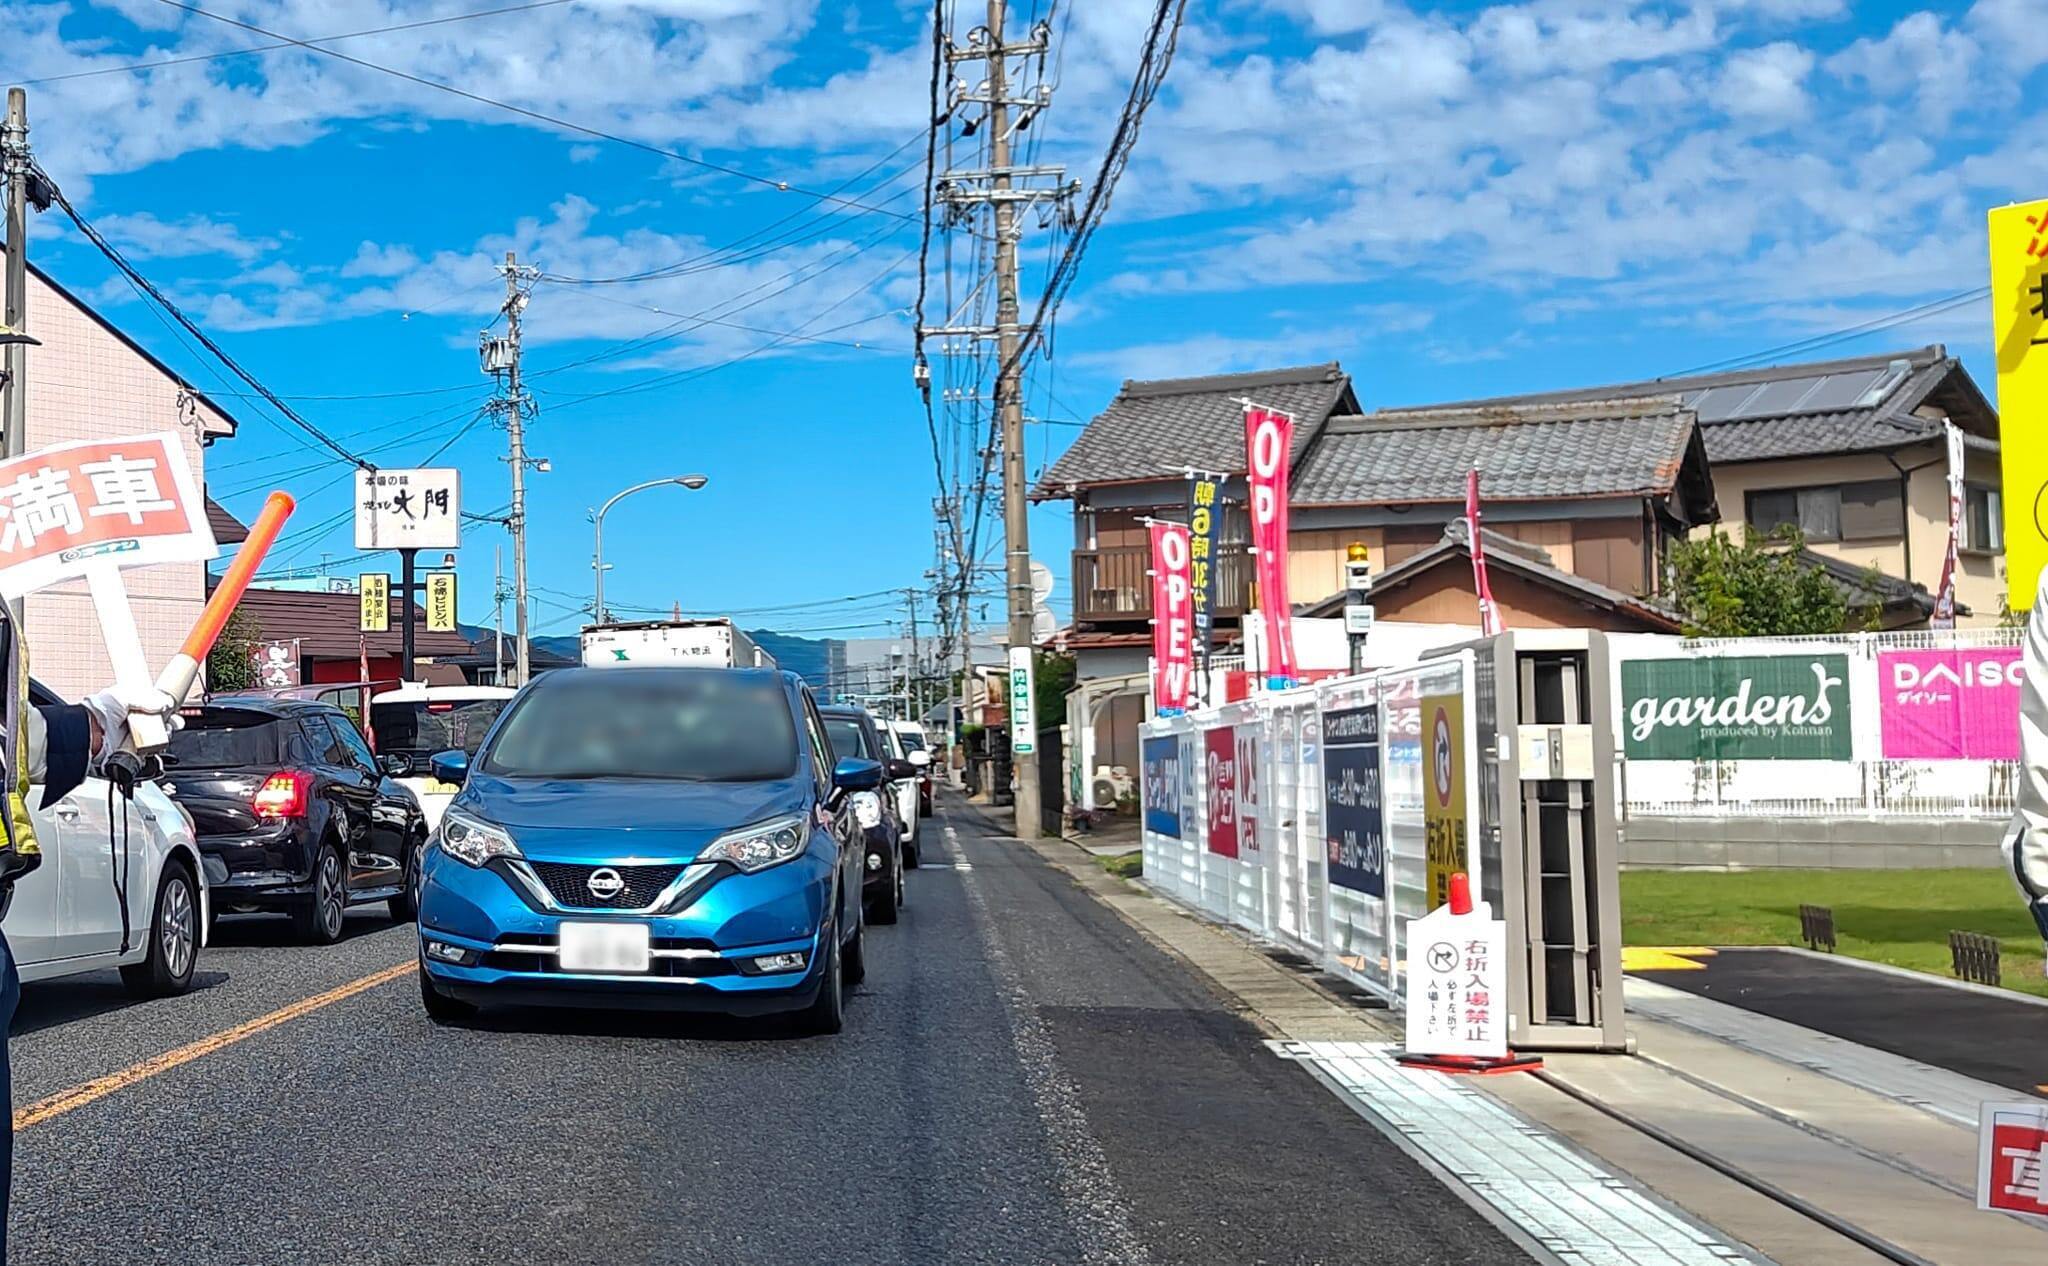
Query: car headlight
x,y
761,845
473,841
867,809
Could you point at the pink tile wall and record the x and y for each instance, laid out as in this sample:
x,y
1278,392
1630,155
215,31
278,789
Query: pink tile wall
x,y
84,383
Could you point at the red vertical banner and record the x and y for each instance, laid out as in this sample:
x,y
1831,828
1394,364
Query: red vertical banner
x,y
1173,619
1269,442
1221,767
1489,615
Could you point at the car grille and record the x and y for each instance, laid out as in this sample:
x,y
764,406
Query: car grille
x,y
514,953
569,884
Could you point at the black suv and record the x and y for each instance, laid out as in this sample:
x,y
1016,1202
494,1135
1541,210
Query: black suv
x,y
854,736
293,813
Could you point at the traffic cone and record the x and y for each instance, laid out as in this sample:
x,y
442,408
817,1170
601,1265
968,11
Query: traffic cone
x,y
1469,1065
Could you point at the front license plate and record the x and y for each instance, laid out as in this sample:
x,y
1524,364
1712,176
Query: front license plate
x,y
604,947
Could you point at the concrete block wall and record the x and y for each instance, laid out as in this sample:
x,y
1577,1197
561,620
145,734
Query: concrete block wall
x,y
1704,843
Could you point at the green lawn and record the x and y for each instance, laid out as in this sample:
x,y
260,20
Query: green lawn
x,y
1902,917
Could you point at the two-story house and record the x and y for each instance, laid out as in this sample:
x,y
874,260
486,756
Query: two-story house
x,y
1852,453
90,380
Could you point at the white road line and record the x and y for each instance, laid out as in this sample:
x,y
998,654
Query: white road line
x,y
1100,1215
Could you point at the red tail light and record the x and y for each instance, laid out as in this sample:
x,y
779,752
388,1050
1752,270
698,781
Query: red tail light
x,y
284,794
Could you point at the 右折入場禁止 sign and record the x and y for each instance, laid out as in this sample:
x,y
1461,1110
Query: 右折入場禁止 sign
x,y
1737,707
2012,1159
69,508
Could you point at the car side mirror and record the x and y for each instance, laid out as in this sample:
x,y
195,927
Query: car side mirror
x,y
395,765
852,774
899,769
452,766
920,758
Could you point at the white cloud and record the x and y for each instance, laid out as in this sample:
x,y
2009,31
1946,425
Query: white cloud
x,y
372,260
1766,85
2013,29
144,236
1939,65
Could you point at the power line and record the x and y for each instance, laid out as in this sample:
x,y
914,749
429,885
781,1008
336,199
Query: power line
x,y
128,270
1908,316
781,186
134,67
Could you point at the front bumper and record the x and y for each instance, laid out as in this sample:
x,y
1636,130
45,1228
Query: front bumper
x,y
703,955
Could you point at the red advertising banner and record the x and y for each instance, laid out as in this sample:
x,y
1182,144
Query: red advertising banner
x,y
1173,619
1221,767
1269,442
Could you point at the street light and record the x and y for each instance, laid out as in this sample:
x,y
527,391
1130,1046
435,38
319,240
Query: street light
x,y
692,482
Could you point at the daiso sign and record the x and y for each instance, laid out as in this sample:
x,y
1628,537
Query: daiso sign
x,y
1173,618
1950,704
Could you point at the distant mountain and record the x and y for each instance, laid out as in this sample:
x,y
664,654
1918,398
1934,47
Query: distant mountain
x,y
809,658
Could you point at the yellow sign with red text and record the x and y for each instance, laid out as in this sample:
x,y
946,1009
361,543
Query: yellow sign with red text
x,y
2019,336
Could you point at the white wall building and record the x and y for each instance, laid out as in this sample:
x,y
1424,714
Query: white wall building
x,y
87,381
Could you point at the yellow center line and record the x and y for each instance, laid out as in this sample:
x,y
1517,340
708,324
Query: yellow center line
x,y
100,1087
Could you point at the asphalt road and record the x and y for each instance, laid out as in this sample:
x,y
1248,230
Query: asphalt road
x,y
1023,1079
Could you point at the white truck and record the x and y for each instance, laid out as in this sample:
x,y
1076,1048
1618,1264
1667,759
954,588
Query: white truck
x,y
709,643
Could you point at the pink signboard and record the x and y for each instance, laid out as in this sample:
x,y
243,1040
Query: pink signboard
x,y
1950,705
1221,743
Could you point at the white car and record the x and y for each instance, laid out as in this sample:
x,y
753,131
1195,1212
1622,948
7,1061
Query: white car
x,y
66,916
905,787
415,721
912,736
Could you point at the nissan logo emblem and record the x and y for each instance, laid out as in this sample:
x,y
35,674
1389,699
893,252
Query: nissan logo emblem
x,y
605,883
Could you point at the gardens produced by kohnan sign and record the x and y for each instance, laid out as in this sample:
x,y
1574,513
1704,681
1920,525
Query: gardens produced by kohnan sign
x,y
1741,707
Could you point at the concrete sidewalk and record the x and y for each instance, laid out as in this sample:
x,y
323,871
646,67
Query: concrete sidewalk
x,y
1864,1135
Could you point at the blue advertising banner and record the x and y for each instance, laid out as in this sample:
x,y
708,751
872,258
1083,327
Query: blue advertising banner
x,y
1354,825
1162,785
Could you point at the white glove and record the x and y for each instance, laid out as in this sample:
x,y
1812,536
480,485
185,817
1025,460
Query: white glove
x,y
113,706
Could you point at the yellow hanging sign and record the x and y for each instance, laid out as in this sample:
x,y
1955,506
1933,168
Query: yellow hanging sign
x,y
441,602
375,589
2019,335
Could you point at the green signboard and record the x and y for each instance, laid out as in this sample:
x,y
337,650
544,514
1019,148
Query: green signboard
x,y
1744,707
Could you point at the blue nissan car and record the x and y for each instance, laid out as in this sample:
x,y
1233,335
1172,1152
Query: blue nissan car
x,y
669,838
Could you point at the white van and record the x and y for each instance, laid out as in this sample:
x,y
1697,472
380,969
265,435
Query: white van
x,y
415,721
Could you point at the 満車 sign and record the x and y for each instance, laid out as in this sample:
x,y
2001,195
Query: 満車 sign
x,y
1161,761
409,509
1443,793
2012,1158
1457,984
1950,704
1737,707
1354,825
69,508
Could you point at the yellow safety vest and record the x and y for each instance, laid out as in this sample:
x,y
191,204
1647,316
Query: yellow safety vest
x,y
20,827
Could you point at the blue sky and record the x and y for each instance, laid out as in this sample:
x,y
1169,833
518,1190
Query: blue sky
x,y
1453,200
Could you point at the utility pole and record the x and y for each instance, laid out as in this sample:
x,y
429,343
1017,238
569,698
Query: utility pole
x,y
498,615
501,360
14,162
1006,189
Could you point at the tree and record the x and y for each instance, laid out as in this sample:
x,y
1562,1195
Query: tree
x,y
1052,675
1761,588
231,664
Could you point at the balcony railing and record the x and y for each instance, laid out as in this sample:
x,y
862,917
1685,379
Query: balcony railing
x,y
1111,584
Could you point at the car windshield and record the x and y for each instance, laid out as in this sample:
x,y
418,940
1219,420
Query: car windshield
x,y
702,725
849,738
227,738
418,727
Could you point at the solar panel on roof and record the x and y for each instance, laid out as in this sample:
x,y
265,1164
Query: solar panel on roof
x,y
1840,391
1718,404
1783,396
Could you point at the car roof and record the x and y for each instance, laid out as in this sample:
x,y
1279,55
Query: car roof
x,y
414,692
269,705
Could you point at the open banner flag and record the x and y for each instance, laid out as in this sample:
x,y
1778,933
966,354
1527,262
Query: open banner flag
x,y
1490,622
1173,618
1269,440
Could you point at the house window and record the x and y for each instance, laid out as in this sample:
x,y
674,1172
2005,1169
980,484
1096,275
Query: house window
x,y
1869,511
1983,519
